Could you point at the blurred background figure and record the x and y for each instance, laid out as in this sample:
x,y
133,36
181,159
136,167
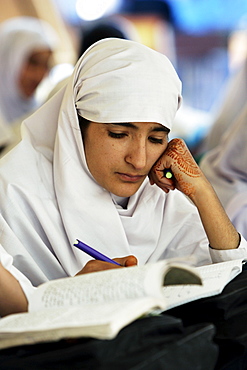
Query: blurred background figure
x,y
26,49
225,167
233,95
97,31
89,34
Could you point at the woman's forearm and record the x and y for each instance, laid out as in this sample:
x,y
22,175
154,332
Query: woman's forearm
x,y
12,297
220,231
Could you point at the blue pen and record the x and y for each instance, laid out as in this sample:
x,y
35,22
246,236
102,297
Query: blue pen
x,y
93,253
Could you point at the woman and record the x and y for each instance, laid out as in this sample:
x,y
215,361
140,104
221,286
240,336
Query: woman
x,y
56,186
26,48
225,167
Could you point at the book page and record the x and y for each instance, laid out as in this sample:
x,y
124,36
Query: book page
x,y
94,288
98,321
111,285
215,277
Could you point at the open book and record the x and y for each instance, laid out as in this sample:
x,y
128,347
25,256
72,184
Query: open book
x,y
100,304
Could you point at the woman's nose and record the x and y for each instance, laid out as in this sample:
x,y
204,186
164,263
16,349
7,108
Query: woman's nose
x,y
137,156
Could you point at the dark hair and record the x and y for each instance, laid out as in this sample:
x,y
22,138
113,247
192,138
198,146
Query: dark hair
x,y
98,32
83,123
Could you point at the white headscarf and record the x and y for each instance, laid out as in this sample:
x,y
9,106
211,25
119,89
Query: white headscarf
x,y
126,82
20,36
48,196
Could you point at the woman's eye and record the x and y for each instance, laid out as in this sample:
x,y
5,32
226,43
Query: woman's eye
x,y
116,135
155,140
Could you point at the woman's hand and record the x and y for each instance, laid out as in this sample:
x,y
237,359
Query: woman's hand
x,y
95,265
189,179
180,161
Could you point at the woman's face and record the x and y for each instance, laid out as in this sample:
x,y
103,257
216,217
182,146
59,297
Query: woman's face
x,y
33,71
120,155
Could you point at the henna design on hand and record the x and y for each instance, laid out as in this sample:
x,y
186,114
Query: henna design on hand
x,y
178,151
185,186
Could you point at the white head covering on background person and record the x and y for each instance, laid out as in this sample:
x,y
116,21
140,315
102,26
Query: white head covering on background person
x,y
48,196
225,166
20,37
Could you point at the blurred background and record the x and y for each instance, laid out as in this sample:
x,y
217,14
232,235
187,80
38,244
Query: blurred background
x,y
204,39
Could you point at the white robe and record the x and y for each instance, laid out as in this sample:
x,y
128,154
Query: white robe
x,y
237,211
7,261
49,198
225,167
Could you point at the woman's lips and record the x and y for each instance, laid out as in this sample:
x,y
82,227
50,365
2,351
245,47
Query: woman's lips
x,y
130,178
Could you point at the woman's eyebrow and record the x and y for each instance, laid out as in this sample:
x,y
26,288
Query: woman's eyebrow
x,y
125,124
131,125
162,128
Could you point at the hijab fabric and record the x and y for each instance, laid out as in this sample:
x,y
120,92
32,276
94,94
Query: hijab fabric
x,y
126,82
